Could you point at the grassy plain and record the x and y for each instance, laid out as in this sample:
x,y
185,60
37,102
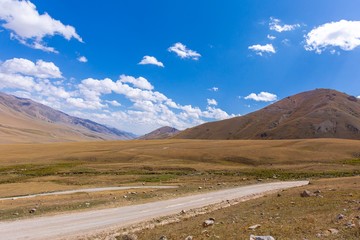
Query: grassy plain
x,y
35,168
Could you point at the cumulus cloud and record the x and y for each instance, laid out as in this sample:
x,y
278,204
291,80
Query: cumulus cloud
x,y
262,97
151,60
271,37
342,34
40,69
214,89
275,25
30,27
139,82
183,52
82,59
211,102
114,103
144,109
261,49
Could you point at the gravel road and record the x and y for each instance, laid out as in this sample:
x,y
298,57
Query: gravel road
x,y
87,190
81,223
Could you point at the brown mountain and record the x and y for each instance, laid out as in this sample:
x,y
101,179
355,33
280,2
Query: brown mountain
x,y
23,120
320,113
160,133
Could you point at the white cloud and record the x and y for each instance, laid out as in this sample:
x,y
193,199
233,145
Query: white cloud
x,y
214,89
342,34
139,82
144,109
151,60
40,69
262,97
271,37
211,102
183,52
260,49
114,103
29,27
82,59
275,25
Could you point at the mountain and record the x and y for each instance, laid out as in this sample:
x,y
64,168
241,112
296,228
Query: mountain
x,y
320,113
160,133
23,120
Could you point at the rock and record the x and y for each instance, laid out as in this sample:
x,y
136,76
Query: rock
x,y
182,212
253,227
16,214
200,188
317,192
208,222
163,238
33,210
333,231
189,238
340,216
129,237
259,180
253,237
306,193
87,204
279,194
349,224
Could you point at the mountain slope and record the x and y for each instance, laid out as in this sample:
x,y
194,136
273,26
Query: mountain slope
x,y
23,120
160,133
320,113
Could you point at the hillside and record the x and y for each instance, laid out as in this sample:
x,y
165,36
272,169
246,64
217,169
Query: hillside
x,y
23,120
320,113
160,133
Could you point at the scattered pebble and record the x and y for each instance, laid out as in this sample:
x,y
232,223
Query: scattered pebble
x,y
333,231
340,216
253,227
129,237
33,210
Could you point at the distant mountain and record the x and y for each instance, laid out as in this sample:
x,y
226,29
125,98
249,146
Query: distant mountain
x,y
160,133
23,120
320,113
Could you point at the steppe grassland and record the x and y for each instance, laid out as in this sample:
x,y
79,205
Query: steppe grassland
x,y
34,168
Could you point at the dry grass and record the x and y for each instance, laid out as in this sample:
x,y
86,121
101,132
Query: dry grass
x,y
35,168
288,216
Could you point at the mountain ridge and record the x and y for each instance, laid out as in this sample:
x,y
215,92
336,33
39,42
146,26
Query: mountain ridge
x,y
24,120
319,113
160,133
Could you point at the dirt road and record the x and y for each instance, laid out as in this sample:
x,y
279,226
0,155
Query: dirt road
x,y
73,224
86,190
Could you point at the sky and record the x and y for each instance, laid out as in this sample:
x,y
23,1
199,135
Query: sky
x,y
140,65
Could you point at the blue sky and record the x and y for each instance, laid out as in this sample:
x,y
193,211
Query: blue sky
x,y
140,65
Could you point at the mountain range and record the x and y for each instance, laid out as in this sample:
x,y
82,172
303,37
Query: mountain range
x,y
320,113
160,133
24,120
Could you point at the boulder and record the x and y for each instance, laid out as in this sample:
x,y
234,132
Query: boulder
x,y
208,222
163,238
253,237
307,193
189,238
